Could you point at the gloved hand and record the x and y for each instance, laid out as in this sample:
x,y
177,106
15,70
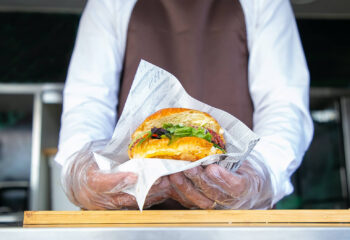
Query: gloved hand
x,y
90,188
213,187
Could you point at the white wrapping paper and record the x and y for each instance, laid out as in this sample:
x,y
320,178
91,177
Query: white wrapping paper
x,y
153,89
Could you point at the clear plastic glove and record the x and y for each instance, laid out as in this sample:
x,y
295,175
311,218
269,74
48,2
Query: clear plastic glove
x,y
213,187
90,188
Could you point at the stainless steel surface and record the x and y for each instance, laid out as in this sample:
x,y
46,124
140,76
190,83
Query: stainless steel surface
x,y
13,184
338,100
16,102
32,88
324,9
11,218
242,233
30,96
66,6
322,92
52,97
38,182
15,151
345,113
46,123
59,200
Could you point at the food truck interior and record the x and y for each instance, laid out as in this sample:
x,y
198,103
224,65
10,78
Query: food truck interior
x,y
37,39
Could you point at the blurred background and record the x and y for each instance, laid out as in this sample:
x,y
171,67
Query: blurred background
x,y
36,42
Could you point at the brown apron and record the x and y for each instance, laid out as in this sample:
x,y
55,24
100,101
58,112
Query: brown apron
x,y
202,42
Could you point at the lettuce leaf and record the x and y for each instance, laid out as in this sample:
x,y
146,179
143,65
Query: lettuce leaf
x,y
185,131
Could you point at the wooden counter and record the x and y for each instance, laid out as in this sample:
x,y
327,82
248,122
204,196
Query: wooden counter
x,y
188,218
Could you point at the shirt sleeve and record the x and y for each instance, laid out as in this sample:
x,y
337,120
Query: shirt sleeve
x,y
279,87
91,89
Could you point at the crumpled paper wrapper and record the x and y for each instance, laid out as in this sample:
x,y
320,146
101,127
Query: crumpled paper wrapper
x,y
153,89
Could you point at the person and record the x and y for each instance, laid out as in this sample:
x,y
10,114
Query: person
x,y
244,57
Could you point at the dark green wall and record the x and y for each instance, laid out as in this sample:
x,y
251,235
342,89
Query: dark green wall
x,y
327,49
36,47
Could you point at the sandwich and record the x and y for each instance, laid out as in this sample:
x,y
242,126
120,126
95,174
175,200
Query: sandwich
x,y
177,133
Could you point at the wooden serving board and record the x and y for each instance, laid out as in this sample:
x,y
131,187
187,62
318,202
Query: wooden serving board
x,y
187,218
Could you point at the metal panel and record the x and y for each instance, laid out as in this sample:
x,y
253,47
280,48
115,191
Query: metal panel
x,y
29,97
242,233
345,113
38,185
326,9
66,6
45,134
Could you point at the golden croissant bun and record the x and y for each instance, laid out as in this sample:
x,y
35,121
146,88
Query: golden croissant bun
x,y
177,133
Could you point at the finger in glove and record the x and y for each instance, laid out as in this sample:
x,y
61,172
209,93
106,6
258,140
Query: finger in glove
x,y
157,194
232,184
181,199
184,187
209,188
110,182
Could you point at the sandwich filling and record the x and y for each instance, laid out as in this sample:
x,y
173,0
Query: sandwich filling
x,y
174,132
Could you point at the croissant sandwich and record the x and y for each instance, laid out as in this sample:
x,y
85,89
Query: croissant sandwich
x,y
177,133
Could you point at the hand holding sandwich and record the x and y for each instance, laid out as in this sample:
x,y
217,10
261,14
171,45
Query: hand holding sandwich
x,y
213,187
173,133
190,135
91,188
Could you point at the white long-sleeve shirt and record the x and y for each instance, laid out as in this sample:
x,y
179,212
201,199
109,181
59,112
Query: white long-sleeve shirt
x,y
278,83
